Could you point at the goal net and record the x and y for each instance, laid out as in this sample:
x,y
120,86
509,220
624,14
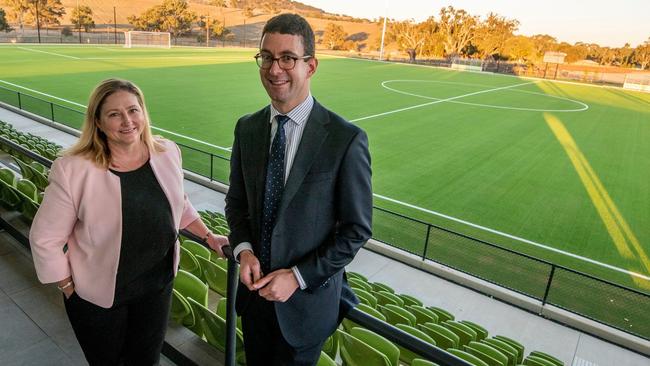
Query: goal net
x,y
640,82
147,39
466,64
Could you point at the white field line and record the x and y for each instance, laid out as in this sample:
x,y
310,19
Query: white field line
x,y
568,254
152,127
49,53
584,106
441,101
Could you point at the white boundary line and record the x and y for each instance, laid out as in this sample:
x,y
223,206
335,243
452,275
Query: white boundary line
x,y
569,254
440,101
152,127
49,53
584,106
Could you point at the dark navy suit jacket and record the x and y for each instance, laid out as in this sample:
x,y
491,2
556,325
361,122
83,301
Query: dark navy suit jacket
x,y
324,217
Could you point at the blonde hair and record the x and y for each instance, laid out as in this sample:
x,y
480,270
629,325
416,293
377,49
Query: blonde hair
x,y
92,143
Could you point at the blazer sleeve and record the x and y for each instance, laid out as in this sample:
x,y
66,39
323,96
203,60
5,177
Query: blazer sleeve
x,y
52,226
353,205
236,200
189,212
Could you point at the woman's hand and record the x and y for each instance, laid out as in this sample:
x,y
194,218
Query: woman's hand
x,y
66,286
216,242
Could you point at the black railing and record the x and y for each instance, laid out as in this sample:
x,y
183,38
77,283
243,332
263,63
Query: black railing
x,y
422,348
604,301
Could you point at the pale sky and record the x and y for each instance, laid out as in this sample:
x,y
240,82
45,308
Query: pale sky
x,y
606,22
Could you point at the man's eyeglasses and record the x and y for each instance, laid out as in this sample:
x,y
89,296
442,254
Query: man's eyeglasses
x,y
285,62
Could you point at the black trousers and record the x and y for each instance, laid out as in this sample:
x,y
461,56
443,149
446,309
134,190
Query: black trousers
x,y
129,334
263,340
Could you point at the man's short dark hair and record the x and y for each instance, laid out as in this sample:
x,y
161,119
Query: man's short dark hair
x,y
295,25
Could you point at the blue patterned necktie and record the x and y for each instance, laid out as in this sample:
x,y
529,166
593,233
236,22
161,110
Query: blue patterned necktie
x,y
272,191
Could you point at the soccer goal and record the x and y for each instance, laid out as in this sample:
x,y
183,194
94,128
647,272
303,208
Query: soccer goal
x,y
640,82
147,39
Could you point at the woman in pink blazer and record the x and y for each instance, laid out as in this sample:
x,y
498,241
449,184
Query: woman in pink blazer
x,y
106,232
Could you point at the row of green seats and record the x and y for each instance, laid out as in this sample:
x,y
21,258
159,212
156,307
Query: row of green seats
x,y
438,327
29,141
18,194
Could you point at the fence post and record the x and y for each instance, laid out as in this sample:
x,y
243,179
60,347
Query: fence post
x,y
52,112
211,165
548,284
426,243
20,103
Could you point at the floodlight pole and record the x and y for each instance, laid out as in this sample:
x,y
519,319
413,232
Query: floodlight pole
x,y
383,32
38,22
115,24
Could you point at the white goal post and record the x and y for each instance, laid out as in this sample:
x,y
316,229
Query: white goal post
x,y
640,82
147,39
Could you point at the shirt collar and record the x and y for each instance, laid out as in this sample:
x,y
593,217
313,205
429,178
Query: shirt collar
x,y
299,114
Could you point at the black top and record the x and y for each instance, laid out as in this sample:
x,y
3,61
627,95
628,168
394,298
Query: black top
x,y
148,236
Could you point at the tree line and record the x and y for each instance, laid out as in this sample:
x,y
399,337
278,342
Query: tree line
x,y
457,33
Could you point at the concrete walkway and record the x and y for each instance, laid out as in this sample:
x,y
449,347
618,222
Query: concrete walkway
x,y
534,332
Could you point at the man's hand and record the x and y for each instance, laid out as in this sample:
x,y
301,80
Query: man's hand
x,y
277,286
249,269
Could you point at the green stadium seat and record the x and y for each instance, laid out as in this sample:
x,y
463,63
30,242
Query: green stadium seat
x,y
27,188
180,308
197,249
444,337
384,298
481,332
516,345
378,286
355,352
396,315
189,263
349,324
213,328
365,297
191,287
422,314
222,311
491,356
410,300
537,361
353,282
443,315
381,344
547,357
421,362
357,275
406,355
465,333
325,360
215,276
331,346
467,357
505,348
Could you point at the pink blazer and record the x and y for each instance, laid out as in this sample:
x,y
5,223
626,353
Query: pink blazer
x,y
83,208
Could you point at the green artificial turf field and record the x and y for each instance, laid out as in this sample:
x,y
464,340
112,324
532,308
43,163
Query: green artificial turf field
x,y
564,166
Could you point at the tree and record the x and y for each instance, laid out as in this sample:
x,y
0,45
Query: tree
x,y
521,49
492,34
82,17
4,25
171,16
17,10
215,27
49,12
334,36
433,45
641,55
407,35
458,28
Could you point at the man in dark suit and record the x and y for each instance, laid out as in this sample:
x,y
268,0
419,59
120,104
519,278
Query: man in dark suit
x,y
299,205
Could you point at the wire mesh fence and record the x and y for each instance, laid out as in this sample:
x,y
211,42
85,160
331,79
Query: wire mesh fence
x,y
595,298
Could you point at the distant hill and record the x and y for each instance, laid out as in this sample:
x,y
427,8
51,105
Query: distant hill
x,y
241,22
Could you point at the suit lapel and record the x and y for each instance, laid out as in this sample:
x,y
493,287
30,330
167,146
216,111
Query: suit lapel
x,y
260,141
310,143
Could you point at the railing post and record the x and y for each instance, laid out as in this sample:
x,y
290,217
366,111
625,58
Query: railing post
x,y
548,285
211,165
52,111
20,103
426,243
231,316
